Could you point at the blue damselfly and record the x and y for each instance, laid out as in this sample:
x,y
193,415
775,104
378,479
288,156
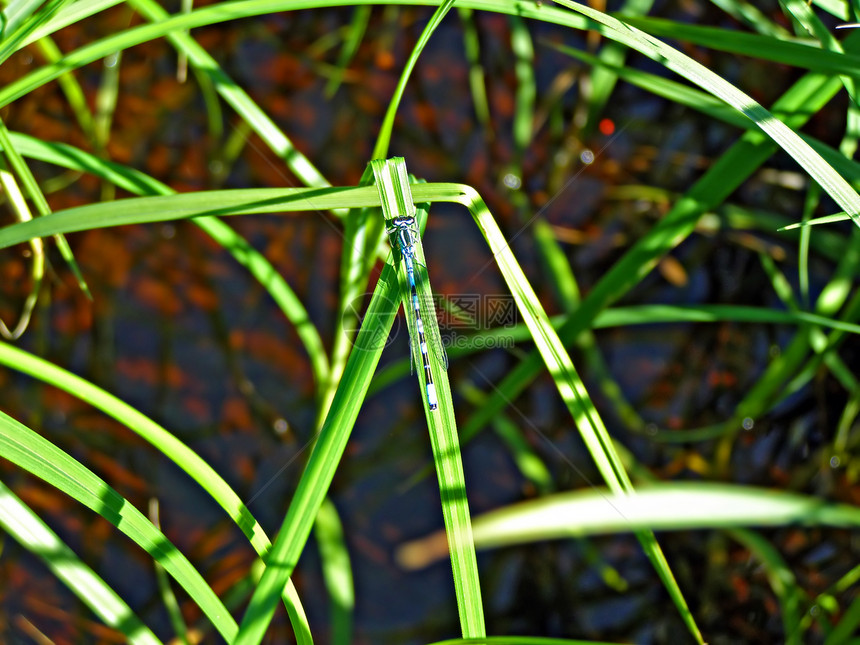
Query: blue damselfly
x,y
404,233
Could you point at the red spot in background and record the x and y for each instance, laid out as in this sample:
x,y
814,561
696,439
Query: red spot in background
x,y
606,126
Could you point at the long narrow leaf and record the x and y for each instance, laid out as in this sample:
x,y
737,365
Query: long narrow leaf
x,y
803,153
37,455
664,507
570,386
145,210
396,197
235,10
741,160
168,444
139,183
28,529
326,455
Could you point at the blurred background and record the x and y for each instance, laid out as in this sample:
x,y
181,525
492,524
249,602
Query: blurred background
x,y
177,329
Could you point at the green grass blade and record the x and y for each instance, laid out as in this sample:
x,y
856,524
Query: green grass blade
x,y
647,314
803,153
139,183
724,176
337,572
146,210
276,286
106,100
72,89
15,13
323,461
603,80
69,14
717,109
396,198
787,373
182,59
73,158
635,315
665,507
357,27
477,86
570,386
383,140
523,51
37,455
527,460
789,51
22,171
826,219
21,19
224,11
164,441
168,598
667,88
27,528
517,640
361,239
752,17
37,268
846,630
236,97
782,580
675,506
222,203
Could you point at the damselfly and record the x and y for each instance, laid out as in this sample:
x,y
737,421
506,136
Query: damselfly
x,y
404,232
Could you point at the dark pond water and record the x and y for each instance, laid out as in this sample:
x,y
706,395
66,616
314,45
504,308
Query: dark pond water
x,y
177,329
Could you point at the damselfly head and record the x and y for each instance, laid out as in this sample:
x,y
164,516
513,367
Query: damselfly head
x,y
399,223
